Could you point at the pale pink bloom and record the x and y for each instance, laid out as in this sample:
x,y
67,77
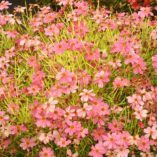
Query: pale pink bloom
x,y
27,143
69,113
50,17
98,150
73,128
51,101
33,90
144,144
92,55
154,34
87,95
11,34
102,77
139,66
70,154
43,122
63,142
46,152
50,105
122,152
19,9
64,76
97,16
145,12
140,113
4,5
135,100
55,91
83,78
116,109
45,137
98,134
120,82
115,64
111,140
151,132
82,8
124,139
84,132
56,135
83,111
115,126
52,30
133,139
60,47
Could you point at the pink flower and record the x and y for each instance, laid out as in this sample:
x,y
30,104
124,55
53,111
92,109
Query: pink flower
x,y
140,113
145,12
69,113
98,134
60,47
135,100
73,128
83,78
87,95
33,90
111,141
46,152
50,17
122,152
120,82
4,5
102,77
27,143
45,137
92,55
143,144
63,142
98,150
52,30
70,154
115,126
83,111
151,132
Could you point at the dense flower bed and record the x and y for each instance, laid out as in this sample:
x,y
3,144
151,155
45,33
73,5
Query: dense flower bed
x,y
78,82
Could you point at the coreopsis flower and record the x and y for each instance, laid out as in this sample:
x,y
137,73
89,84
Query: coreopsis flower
x,y
98,150
151,132
27,143
46,152
87,95
120,82
144,144
4,5
102,77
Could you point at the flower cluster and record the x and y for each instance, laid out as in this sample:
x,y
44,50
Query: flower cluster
x,y
77,82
